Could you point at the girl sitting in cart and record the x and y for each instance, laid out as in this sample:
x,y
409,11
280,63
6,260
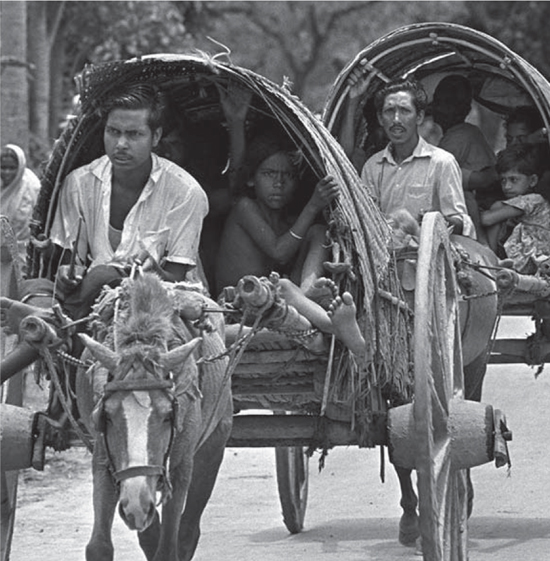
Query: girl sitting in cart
x,y
261,234
524,125
527,212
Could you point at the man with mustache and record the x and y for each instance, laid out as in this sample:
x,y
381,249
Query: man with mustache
x,y
125,205
410,173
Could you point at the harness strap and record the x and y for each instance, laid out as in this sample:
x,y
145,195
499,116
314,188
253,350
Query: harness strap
x,y
137,385
134,471
32,295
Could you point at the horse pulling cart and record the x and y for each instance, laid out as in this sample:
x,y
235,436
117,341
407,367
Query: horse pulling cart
x,y
409,393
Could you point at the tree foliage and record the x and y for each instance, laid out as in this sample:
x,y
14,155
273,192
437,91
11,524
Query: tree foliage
x,y
308,43
521,26
68,35
303,44
104,31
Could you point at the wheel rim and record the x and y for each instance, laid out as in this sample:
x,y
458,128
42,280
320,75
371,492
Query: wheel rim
x,y
12,390
292,481
438,380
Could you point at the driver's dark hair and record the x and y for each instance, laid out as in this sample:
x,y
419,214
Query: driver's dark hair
x,y
138,96
415,88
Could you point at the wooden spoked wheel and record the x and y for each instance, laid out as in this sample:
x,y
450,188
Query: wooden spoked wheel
x,y
12,389
12,393
438,380
292,481
292,466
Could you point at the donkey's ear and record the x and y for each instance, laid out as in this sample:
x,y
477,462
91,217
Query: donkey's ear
x,y
179,355
101,353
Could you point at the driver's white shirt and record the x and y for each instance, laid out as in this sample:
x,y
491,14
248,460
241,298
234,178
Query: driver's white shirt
x,y
166,220
429,179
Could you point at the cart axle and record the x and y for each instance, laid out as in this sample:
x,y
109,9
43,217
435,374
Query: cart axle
x,y
470,433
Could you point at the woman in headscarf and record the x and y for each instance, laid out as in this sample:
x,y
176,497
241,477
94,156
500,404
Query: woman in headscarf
x,y
20,187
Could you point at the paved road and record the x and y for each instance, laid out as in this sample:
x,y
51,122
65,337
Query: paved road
x,y
351,514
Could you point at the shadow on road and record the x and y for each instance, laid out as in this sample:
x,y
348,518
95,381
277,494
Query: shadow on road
x,y
346,529
507,532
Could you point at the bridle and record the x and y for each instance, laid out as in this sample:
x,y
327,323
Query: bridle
x,y
117,386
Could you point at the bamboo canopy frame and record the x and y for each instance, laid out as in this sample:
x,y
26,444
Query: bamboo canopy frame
x,y
501,79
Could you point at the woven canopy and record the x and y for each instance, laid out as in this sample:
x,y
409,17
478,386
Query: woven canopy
x,y
501,79
191,83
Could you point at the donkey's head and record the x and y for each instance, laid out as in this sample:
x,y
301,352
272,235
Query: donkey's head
x,y
136,418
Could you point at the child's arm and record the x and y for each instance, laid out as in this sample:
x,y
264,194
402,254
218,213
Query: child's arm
x,y
499,212
282,247
235,102
478,180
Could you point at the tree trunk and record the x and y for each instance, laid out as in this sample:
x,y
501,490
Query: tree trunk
x,y
14,107
39,57
57,97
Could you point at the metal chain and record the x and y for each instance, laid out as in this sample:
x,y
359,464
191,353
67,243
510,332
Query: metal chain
x,y
234,347
69,359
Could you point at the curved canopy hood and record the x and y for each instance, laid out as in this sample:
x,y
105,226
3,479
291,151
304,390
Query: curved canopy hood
x,y
501,79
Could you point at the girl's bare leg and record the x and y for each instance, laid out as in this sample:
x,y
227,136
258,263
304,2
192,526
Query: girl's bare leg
x,y
340,320
312,311
309,263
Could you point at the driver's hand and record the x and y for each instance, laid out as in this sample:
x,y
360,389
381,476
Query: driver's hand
x,y
149,263
70,283
455,223
357,82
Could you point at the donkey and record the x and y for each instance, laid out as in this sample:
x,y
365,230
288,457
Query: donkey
x,y
159,415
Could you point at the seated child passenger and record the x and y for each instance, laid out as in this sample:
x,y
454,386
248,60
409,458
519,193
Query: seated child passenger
x,y
526,211
524,125
262,235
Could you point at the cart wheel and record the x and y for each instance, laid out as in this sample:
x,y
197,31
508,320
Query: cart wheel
x,y
12,393
292,481
438,378
12,389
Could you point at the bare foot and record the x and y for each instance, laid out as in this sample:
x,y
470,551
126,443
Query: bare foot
x,y
323,292
13,311
342,313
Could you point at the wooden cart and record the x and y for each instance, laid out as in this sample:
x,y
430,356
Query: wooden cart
x,y
316,398
501,81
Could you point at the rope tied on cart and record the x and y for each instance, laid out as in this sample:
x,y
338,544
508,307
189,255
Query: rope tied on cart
x,y
50,365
